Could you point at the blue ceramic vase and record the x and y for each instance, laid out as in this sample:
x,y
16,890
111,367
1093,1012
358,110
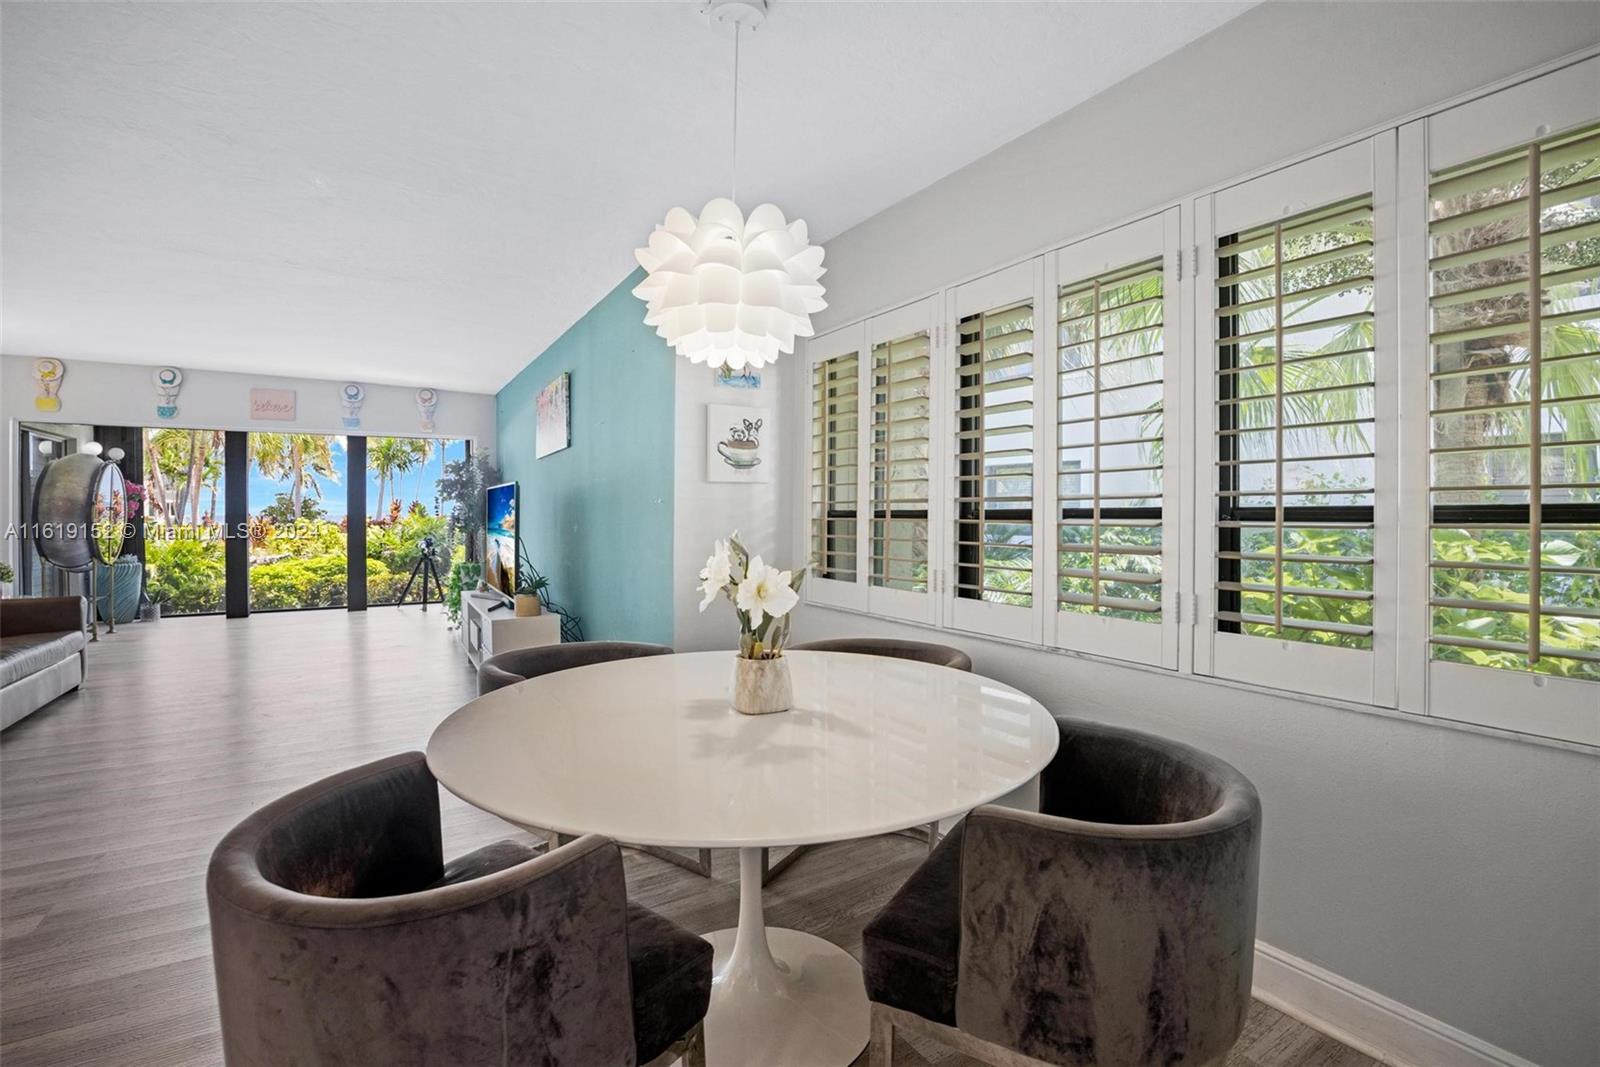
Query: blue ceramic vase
x,y
130,579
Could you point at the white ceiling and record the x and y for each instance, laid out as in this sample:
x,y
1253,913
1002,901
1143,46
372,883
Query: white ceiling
x,y
429,194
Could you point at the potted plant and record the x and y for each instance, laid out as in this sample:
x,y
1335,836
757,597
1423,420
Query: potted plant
x,y
530,587
763,596
7,576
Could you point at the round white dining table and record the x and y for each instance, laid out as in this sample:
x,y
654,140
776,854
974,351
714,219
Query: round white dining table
x,y
648,751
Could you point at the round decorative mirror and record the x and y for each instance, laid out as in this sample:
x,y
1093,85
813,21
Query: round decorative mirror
x,y
110,513
80,511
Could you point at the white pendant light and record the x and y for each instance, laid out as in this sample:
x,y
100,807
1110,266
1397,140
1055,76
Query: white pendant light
x,y
723,289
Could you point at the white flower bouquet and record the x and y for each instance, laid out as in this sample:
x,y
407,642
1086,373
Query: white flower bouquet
x,y
763,596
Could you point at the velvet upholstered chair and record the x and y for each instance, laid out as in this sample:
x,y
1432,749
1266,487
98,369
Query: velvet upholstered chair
x,y
921,651
342,938
918,651
1114,926
520,664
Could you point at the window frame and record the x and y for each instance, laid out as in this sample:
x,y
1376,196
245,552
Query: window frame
x,y
1156,236
1399,157
834,592
904,604
1520,701
1365,167
1023,282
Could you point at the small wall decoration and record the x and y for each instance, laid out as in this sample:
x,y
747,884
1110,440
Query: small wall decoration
x,y
48,373
274,404
350,397
427,400
736,444
168,381
728,378
552,427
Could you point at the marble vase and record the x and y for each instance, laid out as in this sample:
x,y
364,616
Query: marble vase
x,y
761,686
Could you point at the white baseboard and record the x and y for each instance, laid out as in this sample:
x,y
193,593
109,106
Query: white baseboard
x,y
1368,1022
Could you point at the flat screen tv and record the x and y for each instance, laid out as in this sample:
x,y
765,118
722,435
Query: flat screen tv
x,y
500,538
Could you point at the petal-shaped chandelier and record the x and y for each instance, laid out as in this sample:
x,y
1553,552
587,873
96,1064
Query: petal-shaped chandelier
x,y
723,289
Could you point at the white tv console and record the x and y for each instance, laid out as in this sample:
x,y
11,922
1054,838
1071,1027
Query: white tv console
x,y
484,633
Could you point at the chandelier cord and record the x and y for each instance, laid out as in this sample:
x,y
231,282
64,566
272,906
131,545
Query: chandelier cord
x,y
733,180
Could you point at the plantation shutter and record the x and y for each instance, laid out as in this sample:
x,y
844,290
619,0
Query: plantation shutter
x,y
1114,298
995,450
836,470
1503,422
1514,261
1300,345
1295,418
901,410
902,573
1509,434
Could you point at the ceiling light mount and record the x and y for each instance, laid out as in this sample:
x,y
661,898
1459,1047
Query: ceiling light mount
x,y
725,289
741,14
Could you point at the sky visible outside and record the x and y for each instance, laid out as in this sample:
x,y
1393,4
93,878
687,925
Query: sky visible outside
x,y
418,483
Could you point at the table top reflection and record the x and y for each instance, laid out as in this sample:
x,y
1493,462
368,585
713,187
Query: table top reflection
x,y
649,751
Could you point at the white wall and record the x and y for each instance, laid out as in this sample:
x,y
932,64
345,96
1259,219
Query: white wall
x,y
706,511
1454,872
121,394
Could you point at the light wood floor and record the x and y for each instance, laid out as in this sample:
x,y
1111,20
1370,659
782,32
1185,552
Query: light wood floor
x,y
112,798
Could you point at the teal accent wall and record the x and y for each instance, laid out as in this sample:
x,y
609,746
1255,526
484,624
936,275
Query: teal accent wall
x,y
597,518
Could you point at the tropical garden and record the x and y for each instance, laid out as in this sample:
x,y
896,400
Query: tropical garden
x,y
298,538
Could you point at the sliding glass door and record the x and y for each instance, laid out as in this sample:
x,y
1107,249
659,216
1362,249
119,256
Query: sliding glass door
x,y
404,509
297,519
235,521
185,480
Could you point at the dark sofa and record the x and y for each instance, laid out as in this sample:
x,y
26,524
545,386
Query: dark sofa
x,y
43,652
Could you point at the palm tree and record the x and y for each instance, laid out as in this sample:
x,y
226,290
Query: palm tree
x,y
299,458
388,456
422,451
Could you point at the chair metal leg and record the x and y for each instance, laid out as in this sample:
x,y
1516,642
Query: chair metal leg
x,y
695,1054
687,1051
880,1049
700,865
770,870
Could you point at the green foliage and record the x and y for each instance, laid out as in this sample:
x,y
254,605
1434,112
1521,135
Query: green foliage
x,y
462,485
6,573
1478,556
317,581
463,576
281,510
186,574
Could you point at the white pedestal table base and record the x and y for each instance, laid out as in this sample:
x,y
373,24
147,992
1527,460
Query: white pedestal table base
x,y
781,998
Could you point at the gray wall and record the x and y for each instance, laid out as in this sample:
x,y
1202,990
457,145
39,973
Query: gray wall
x,y
1456,873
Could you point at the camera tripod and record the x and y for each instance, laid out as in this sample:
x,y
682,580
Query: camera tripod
x,y
425,569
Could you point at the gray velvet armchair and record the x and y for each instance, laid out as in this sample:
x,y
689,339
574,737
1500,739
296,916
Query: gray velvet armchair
x,y
341,937
520,664
921,651
1114,926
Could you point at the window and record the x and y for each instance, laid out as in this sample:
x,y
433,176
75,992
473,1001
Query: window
x,y
1514,320
1110,444
1113,385
1295,417
901,413
904,569
1367,453
1300,400
835,536
995,372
